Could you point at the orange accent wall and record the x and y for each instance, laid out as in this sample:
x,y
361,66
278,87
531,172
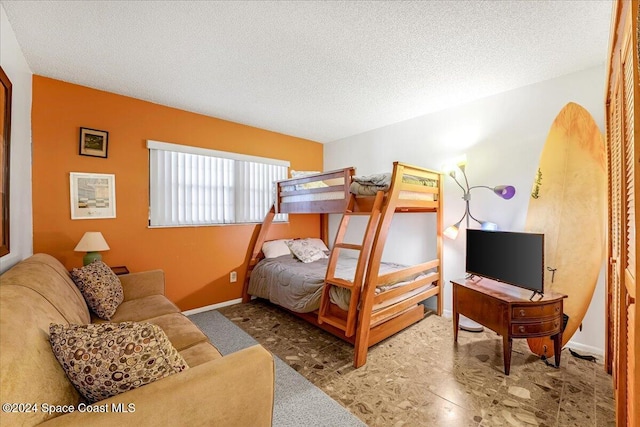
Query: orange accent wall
x,y
196,260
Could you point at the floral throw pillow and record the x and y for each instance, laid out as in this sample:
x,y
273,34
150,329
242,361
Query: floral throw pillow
x,y
105,359
318,243
305,250
100,288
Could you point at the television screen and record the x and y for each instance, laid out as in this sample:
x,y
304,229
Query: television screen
x,y
509,257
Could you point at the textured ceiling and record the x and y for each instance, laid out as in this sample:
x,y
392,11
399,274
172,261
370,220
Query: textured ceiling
x,y
313,69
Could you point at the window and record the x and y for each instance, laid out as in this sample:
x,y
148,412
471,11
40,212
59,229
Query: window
x,y
198,186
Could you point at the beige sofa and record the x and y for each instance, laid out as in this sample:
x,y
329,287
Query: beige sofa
x,y
234,390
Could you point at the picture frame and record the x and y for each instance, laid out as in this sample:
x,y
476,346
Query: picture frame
x,y
93,195
94,142
5,159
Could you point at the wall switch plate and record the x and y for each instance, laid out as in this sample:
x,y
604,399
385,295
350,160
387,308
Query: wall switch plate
x,y
233,277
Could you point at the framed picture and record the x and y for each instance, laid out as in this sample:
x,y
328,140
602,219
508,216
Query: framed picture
x,y
5,134
93,195
94,142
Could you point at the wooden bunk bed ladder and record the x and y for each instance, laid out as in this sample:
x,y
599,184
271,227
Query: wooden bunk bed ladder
x,y
348,325
254,256
390,320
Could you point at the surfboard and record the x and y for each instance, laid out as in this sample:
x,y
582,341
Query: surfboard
x,y
568,203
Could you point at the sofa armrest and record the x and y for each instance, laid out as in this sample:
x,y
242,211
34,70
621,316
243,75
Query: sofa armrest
x,y
143,284
235,390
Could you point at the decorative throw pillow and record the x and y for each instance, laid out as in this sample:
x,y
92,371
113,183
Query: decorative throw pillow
x,y
105,359
275,248
305,251
100,288
318,243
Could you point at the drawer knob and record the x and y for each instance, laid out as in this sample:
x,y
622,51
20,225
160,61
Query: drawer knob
x,y
555,324
557,309
521,328
522,313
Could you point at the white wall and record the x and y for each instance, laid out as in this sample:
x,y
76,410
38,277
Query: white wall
x,y
15,66
502,136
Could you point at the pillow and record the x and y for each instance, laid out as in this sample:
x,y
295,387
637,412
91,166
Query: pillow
x,y
305,251
318,243
302,174
275,248
106,359
308,185
100,287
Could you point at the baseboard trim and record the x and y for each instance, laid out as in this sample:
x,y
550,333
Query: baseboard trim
x,y
212,307
582,348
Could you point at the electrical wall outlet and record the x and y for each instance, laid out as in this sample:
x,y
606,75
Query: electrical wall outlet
x,y
233,277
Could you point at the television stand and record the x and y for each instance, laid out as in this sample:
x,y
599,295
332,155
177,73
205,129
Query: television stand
x,y
509,312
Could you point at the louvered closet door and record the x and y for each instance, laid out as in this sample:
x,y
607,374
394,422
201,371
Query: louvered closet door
x,y
614,130
629,160
624,157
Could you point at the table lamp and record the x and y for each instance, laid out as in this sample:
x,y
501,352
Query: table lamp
x,y
92,242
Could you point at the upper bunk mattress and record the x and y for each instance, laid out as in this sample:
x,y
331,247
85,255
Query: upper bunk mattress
x,y
371,184
366,186
297,286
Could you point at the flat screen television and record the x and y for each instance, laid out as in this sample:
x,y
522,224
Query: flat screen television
x,y
509,257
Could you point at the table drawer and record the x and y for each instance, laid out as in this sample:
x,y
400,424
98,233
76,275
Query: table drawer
x,y
535,312
549,327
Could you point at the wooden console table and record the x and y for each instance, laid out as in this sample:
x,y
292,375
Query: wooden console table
x,y
508,311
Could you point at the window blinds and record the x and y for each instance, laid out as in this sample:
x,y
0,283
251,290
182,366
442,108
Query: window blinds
x,y
195,186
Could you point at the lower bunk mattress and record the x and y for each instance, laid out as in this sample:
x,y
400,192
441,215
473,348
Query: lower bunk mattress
x,y
297,286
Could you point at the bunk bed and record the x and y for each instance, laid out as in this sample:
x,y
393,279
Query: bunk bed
x,y
361,300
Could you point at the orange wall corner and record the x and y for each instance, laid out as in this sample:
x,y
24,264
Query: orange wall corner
x,y
196,260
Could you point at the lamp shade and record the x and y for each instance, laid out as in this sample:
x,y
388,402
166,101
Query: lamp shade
x,y
505,191
452,231
488,226
92,241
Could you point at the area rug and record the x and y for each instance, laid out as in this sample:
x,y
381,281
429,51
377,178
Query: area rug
x,y
297,401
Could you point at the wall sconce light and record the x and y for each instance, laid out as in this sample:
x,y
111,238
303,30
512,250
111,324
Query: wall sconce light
x,y
92,243
504,191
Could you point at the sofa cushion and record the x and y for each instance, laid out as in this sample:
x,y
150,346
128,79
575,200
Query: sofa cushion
x,y
141,309
29,372
142,284
200,353
50,279
100,287
181,331
103,360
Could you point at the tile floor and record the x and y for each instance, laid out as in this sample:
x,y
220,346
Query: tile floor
x,y
419,377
